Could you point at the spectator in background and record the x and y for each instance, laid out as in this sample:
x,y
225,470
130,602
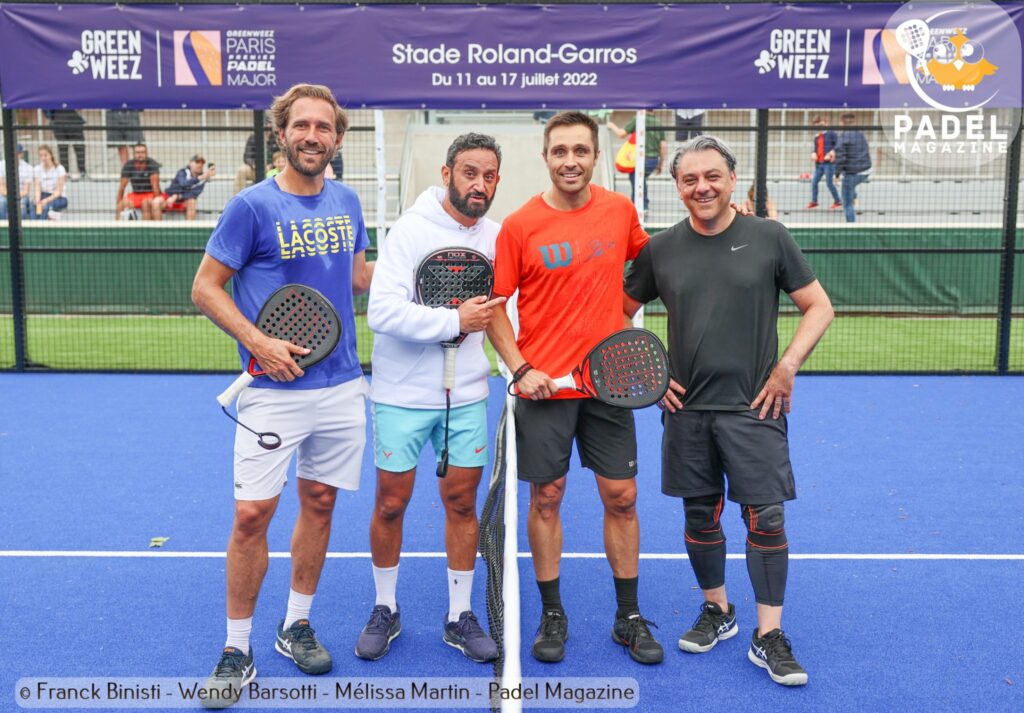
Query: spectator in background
x,y
25,174
48,186
67,130
688,123
655,149
750,205
183,192
278,161
337,166
853,163
124,129
824,156
247,173
144,175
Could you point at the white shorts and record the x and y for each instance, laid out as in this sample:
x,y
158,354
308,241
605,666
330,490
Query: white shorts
x,y
327,427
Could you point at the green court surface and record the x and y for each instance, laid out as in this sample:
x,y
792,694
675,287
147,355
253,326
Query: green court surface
x,y
191,343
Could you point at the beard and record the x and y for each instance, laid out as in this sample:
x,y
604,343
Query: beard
x,y
294,160
461,203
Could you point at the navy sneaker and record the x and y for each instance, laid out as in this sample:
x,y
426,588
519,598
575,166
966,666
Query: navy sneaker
x,y
298,642
232,673
774,654
553,632
631,631
467,636
376,637
712,625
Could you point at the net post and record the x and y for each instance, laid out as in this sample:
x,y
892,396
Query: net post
x,y
1009,231
511,674
260,157
382,177
761,165
13,180
640,164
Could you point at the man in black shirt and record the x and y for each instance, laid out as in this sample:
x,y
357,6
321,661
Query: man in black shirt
x,y
144,175
719,275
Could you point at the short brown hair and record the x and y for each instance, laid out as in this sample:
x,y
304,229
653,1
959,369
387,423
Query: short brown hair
x,y
570,118
282,106
848,118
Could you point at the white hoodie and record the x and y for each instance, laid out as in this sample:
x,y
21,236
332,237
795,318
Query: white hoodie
x,y
408,359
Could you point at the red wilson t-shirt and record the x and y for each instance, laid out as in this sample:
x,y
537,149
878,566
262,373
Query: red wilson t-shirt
x,y
567,266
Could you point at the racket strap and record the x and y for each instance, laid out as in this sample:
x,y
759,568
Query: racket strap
x,y
442,466
268,439
519,374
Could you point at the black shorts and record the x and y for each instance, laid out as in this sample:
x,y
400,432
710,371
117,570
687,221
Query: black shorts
x,y
605,438
700,448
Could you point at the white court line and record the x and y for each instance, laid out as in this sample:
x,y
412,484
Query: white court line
x,y
157,554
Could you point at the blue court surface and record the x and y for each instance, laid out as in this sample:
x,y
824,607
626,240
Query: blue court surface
x,y
907,551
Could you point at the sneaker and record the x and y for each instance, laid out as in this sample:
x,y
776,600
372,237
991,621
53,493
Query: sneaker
x,y
553,632
713,625
376,637
632,632
837,205
467,636
774,653
298,642
812,204
232,673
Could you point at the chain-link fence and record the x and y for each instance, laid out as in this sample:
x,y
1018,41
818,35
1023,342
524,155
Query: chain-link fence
x,y
922,264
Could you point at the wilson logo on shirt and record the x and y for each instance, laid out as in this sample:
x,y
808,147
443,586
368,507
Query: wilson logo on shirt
x,y
556,255
317,236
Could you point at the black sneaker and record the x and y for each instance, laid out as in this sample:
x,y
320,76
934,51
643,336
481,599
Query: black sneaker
x,y
553,632
774,653
298,642
631,631
232,673
713,625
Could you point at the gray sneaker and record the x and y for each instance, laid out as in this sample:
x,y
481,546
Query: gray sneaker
x,y
232,673
467,636
376,637
298,642
712,625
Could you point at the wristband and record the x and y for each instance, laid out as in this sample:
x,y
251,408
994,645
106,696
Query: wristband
x,y
519,374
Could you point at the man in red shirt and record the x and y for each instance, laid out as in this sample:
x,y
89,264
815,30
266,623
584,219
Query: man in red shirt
x,y
565,251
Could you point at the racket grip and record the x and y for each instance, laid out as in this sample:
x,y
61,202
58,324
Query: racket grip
x,y
449,368
565,382
231,393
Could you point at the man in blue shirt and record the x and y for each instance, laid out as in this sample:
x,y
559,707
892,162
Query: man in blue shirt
x,y
293,228
184,190
853,163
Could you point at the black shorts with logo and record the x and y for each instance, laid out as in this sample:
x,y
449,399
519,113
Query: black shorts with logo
x,y
700,448
605,438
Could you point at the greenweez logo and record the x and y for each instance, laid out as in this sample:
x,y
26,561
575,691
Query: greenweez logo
x,y
962,77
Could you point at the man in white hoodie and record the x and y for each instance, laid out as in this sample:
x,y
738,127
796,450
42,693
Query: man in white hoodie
x,y
409,400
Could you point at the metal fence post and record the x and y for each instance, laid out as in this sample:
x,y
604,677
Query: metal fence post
x,y
761,165
13,180
260,157
1006,262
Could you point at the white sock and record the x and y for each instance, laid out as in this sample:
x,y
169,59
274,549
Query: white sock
x,y
385,579
238,634
298,607
460,587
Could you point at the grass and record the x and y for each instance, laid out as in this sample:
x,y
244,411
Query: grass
x,y
188,343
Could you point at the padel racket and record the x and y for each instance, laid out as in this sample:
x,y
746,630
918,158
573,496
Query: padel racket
x,y
296,314
628,368
447,278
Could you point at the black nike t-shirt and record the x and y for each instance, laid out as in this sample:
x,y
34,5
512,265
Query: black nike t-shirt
x,y
722,297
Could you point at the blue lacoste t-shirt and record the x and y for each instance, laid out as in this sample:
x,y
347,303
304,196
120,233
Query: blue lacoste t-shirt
x,y
272,238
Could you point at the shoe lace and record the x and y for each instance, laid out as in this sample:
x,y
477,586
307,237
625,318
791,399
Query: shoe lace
x,y
230,663
468,627
553,623
707,621
636,629
304,636
779,647
380,619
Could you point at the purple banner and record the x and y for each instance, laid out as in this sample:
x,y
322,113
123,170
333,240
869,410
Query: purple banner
x,y
494,57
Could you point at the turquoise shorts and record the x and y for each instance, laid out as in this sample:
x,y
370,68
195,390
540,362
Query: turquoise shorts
x,y
399,435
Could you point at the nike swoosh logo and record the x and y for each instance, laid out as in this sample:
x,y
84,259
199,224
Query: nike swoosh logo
x,y
739,247
477,450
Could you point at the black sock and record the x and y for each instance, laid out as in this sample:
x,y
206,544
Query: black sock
x,y
626,596
549,595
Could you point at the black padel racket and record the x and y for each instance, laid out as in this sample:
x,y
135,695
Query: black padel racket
x,y
296,314
628,368
447,278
